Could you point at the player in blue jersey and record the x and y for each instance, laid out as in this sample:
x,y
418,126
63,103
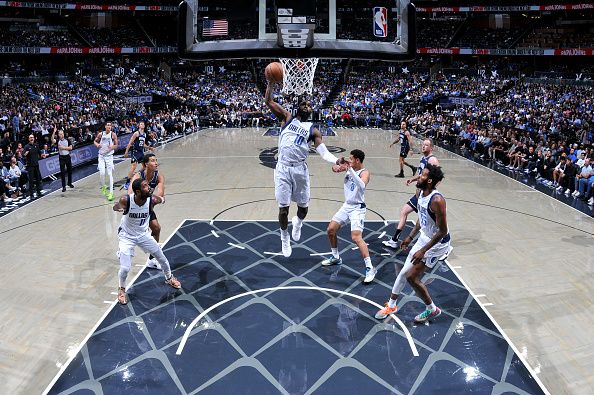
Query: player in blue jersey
x,y
405,140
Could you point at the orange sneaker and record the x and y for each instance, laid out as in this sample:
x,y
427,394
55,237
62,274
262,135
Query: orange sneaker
x,y
386,311
122,297
174,282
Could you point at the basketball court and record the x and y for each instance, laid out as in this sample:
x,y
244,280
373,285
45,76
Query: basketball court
x,y
514,292
512,249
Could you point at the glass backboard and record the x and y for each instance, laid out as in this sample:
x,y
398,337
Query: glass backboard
x,y
356,29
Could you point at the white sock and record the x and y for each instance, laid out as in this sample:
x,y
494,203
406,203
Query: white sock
x,y
110,182
284,234
368,263
102,179
392,303
431,307
335,253
299,221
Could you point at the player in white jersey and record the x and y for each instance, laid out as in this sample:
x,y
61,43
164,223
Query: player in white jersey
x,y
134,231
291,176
107,142
411,205
353,210
433,243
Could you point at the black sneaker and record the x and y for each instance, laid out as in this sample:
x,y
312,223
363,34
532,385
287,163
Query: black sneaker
x,y
63,189
401,175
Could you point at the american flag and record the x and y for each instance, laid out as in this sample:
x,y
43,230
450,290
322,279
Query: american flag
x,y
215,27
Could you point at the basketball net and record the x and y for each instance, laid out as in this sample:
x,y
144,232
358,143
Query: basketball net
x,y
298,75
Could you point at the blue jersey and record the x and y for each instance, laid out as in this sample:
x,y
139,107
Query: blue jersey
x,y
423,164
153,181
404,145
138,146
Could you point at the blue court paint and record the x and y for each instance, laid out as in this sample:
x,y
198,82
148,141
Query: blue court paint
x,y
292,340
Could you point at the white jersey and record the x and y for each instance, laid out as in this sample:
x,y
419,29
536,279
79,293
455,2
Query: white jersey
x,y
427,217
135,221
293,142
105,142
352,193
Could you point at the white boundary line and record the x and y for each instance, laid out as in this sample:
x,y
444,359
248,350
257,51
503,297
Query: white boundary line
x,y
382,234
214,306
273,253
505,336
214,234
321,253
86,339
236,246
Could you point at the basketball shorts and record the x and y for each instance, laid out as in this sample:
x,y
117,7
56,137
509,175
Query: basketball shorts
x,y
412,202
145,241
353,213
434,253
136,157
291,184
404,152
105,162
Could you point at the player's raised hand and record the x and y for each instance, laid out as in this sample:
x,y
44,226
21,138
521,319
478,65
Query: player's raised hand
x,y
340,168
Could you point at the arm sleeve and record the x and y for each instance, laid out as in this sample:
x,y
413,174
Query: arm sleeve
x,y
356,178
325,154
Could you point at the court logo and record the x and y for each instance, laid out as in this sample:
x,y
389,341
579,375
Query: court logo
x,y
380,22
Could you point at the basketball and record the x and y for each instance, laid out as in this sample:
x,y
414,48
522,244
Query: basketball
x,y
274,72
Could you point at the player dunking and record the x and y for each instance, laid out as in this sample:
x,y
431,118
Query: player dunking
x,y
405,139
411,205
150,173
133,231
106,141
433,242
291,176
353,211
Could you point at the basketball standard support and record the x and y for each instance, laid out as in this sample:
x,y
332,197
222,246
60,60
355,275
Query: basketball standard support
x,y
325,46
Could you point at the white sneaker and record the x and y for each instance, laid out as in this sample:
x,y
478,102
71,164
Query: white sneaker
x,y
390,243
332,261
591,201
567,191
447,254
286,245
296,231
8,200
370,273
559,188
153,263
575,193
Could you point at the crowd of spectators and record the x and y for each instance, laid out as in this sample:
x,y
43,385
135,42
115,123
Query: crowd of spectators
x,y
122,36
30,35
436,32
515,122
541,131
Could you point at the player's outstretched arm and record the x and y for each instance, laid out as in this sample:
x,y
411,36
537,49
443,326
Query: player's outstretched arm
x,y
323,151
278,110
132,138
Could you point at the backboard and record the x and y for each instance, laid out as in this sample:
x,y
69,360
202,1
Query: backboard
x,y
356,29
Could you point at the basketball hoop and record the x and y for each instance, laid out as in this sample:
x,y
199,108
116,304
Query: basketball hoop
x,y
298,75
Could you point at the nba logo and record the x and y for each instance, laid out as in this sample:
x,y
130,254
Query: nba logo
x,y
380,22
